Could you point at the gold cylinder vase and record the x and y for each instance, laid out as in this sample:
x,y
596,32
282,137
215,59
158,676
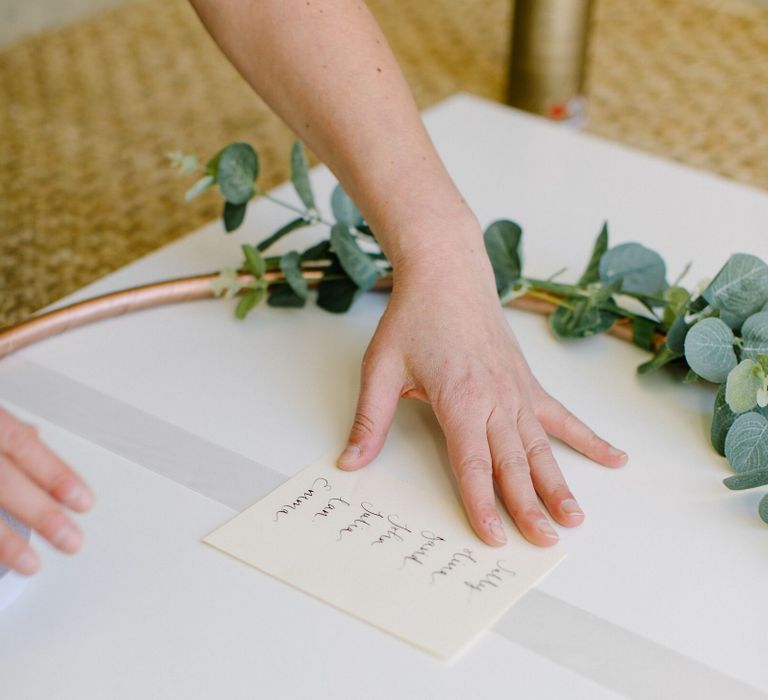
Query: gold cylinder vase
x,y
548,57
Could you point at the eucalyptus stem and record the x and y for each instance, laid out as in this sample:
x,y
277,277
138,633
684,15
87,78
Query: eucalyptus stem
x,y
304,213
721,334
548,297
568,290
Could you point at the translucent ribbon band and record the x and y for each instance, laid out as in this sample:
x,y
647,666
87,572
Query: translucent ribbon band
x,y
575,638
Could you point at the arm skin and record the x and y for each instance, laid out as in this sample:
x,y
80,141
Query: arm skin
x,y
325,67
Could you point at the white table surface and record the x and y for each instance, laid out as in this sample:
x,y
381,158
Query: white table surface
x,y
667,556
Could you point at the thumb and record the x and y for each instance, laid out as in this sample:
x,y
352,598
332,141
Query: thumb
x,y
380,391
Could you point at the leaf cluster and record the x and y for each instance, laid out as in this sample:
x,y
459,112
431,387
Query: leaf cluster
x,y
719,335
347,269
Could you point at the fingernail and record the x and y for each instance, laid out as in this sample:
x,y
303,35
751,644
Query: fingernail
x,y
497,531
570,507
27,563
545,529
78,498
619,454
349,456
67,539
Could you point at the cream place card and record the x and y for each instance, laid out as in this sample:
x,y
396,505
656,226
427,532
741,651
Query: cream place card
x,y
394,556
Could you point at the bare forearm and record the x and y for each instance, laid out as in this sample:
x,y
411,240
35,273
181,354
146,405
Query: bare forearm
x,y
326,69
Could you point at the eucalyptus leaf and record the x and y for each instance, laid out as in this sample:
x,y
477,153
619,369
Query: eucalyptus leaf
x,y
502,243
187,163
199,187
697,304
676,334
592,272
290,265
754,333
337,293
690,377
292,225
282,296
709,349
762,508
722,420
253,262
748,480
601,293
741,287
319,251
746,445
641,270
356,262
344,209
580,320
733,322
643,330
676,306
212,167
742,385
233,215
238,168
300,175
662,357
248,301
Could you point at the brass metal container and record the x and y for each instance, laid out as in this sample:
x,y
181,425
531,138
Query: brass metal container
x,y
548,57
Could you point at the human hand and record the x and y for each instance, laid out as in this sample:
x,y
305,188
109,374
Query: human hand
x,y
35,486
451,346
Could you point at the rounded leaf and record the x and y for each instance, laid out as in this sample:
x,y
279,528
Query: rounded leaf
x,y
337,293
290,265
742,385
592,271
502,243
282,296
238,167
709,349
580,321
248,301
233,215
356,262
676,334
300,175
722,420
199,187
641,270
344,209
741,287
746,445
754,332
762,509
253,261
747,480
677,304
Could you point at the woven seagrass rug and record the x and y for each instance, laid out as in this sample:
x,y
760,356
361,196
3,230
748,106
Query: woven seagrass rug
x,y
87,113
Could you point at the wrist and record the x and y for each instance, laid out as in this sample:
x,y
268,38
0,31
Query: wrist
x,y
442,239
451,260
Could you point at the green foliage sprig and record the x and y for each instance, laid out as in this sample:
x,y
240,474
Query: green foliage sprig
x,y
719,334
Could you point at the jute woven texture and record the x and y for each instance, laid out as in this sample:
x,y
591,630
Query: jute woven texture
x,y
88,112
